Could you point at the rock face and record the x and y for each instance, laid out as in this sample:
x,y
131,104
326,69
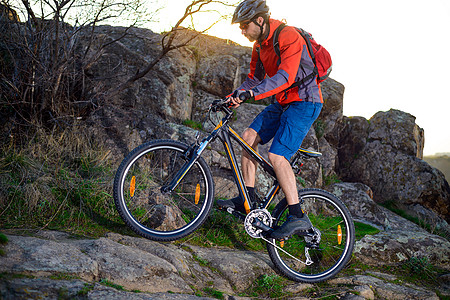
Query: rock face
x,y
385,153
56,265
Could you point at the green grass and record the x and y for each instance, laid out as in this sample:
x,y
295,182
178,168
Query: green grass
x,y
268,286
213,293
331,179
86,289
420,269
362,229
394,207
58,181
319,127
193,124
416,270
106,282
3,239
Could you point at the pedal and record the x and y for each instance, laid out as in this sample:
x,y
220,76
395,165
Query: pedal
x,y
303,233
233,212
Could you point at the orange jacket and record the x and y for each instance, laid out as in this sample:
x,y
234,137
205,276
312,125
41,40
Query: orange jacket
x,y
271,79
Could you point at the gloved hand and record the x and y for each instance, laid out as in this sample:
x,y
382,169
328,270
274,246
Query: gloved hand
x,y
239,96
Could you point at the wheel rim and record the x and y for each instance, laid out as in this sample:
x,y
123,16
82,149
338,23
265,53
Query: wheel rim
x,y
152,211
334,246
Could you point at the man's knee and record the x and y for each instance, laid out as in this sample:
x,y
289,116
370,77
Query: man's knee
x,y
251,137
277,160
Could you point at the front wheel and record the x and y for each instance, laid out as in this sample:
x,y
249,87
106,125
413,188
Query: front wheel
x,y
143,203
323,253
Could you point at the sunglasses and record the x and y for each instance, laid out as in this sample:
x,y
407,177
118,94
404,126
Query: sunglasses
x,y
244,26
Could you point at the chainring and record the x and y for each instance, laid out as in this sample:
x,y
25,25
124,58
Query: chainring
x,y
263,216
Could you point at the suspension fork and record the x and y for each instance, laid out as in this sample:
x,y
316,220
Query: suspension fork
x,y
193,155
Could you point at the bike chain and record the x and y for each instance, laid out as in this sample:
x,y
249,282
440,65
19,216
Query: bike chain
x,y
308,262
257,233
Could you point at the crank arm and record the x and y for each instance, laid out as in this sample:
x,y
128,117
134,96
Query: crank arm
x,y
260,225
235,213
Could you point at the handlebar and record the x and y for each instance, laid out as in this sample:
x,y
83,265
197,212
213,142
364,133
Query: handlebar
x,y
245,96
224,103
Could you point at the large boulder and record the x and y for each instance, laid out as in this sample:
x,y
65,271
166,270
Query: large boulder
x,y
217,74
329,122
398,246
398,130
358,198
166,89
133,263
384,154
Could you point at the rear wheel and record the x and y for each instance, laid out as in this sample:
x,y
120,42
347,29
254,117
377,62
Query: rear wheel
x,y
323,253
143,204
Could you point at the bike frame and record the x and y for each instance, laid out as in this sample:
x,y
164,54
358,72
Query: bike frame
x,y
224,133
224,136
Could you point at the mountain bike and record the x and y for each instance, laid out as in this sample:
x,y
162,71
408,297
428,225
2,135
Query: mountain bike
x,y
164,190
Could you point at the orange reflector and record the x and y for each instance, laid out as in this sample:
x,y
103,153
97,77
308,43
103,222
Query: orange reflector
x,y
197,193
339,234
132,186
282,243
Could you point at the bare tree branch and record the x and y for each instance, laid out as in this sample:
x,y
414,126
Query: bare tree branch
x,y
167,41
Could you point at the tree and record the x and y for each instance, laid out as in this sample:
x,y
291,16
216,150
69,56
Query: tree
x,y
42,71
168,39
43,78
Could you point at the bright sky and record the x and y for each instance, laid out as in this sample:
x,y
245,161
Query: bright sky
x,y
387,54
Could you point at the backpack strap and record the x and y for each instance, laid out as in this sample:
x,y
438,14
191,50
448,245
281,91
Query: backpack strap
x,y
276,45
259,70
306,36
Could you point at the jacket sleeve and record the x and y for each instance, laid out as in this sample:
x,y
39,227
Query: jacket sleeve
x,y
256,74
291,47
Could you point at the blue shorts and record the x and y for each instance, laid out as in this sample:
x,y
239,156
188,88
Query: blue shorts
x,y
286,126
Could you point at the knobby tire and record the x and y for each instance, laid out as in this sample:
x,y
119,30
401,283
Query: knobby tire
x,y
145,208
331,217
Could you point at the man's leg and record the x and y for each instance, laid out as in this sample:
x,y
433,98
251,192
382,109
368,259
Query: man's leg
x,y
248,165
285,177
297,221
294,125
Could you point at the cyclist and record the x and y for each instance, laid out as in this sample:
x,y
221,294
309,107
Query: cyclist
x,y
289,118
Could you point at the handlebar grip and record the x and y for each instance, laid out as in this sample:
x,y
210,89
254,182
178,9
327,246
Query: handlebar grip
x,y
245,96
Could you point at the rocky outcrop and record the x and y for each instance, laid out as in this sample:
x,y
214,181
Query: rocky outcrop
x,y
57,265
134,263
385,153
